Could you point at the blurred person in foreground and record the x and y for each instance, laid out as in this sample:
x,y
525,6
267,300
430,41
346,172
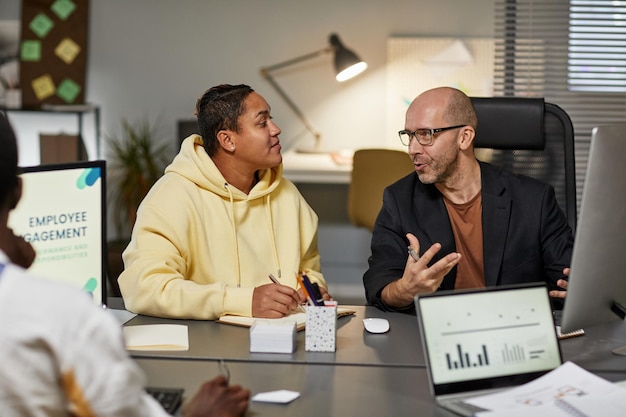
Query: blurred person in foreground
x,y
61,354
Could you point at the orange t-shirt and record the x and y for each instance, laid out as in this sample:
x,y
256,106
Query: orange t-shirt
x,y
467,226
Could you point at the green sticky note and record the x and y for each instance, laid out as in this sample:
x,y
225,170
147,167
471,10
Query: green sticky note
x,y
68,90
41,25
31,50
63,8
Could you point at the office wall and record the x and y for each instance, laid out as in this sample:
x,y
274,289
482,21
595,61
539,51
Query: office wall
x,y
153,58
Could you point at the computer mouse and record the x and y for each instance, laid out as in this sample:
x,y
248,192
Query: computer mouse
x,y
376,325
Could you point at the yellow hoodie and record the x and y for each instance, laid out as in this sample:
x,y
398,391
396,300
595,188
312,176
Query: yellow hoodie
x,y
200,246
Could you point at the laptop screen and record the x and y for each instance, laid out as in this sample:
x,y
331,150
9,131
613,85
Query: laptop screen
x,y
486,338
62,215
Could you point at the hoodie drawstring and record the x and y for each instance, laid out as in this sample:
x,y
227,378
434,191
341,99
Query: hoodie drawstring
x,y
234,229
268,212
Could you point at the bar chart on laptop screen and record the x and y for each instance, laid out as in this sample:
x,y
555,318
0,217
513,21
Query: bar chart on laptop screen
x,y
482,337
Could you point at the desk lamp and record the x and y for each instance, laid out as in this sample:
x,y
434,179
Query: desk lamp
x,y
347,65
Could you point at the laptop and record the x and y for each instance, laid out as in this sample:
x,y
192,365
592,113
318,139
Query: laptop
x,y
169,398
477,342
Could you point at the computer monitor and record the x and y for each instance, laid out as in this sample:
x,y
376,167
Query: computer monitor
x,y
596,291
62,214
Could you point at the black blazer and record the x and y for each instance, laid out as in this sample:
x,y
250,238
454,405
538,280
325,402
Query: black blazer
x,y
526,237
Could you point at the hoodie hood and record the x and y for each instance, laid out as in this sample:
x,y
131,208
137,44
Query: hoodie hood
x,y
193,163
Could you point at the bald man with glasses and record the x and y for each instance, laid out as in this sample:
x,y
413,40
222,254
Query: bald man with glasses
x,y
460,223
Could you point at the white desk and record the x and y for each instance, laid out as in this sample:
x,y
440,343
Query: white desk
x,y
321,168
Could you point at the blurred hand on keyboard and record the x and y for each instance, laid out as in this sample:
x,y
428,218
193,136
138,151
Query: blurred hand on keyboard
x,y
216,398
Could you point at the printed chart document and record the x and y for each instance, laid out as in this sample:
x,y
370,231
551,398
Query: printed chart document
x,y
612,404
299,318
549,394
156,337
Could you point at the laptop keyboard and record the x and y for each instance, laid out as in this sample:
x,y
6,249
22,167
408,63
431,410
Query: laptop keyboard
x,y
169,398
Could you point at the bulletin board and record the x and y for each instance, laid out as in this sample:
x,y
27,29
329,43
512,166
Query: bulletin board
x,y
416,64
53,52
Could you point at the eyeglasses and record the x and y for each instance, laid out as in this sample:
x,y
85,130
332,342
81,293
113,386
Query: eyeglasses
x,y
424,136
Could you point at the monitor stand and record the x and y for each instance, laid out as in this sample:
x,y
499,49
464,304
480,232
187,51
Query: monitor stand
x,y
619,309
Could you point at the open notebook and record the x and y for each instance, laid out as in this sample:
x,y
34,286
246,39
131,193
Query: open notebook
x,y
299,318
476,341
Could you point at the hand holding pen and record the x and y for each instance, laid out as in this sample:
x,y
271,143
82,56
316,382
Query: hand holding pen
x,y
275,281
218,397
274,301
420,275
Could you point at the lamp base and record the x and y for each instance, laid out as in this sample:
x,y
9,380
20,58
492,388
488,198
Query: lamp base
x,y
342,157
314,150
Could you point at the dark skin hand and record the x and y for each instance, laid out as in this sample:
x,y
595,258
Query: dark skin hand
x,y
216,398
275,300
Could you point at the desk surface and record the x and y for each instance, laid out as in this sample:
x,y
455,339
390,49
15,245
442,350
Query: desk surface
x,y
209,340
325,390
316,167
593,350
378,375
400,347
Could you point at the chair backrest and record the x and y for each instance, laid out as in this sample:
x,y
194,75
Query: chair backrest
x,y
372,171
528,136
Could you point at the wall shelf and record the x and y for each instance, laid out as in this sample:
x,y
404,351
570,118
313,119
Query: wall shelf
x,y
80,111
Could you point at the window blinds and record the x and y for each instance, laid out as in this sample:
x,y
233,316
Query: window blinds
x,y
539,50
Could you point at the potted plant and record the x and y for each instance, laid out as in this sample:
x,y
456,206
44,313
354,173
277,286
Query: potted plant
x,y
136,158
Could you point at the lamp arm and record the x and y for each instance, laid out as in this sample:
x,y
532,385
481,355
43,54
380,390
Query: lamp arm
x,y
266,72
296,109
297,60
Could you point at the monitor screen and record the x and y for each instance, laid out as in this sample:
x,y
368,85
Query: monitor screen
x,y
62,214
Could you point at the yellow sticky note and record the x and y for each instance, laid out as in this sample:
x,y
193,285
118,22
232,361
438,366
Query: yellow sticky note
x,y
67,50
43,87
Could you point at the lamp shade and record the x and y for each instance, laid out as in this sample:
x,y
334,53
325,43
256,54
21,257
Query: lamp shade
x,y
347,63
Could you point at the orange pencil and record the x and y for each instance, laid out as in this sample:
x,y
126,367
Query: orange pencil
x,y
306,293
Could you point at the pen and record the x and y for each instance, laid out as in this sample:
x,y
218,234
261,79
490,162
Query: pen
x,y
224,370
275,281
305,291
317,300
413,254
318,294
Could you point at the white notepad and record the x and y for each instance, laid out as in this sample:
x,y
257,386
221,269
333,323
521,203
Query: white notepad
x,y
273,337
157,337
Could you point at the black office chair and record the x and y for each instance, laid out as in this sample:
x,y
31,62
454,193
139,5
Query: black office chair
x,y
528,136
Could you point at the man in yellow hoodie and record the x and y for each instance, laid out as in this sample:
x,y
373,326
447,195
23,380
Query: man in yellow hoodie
x,y
221,219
